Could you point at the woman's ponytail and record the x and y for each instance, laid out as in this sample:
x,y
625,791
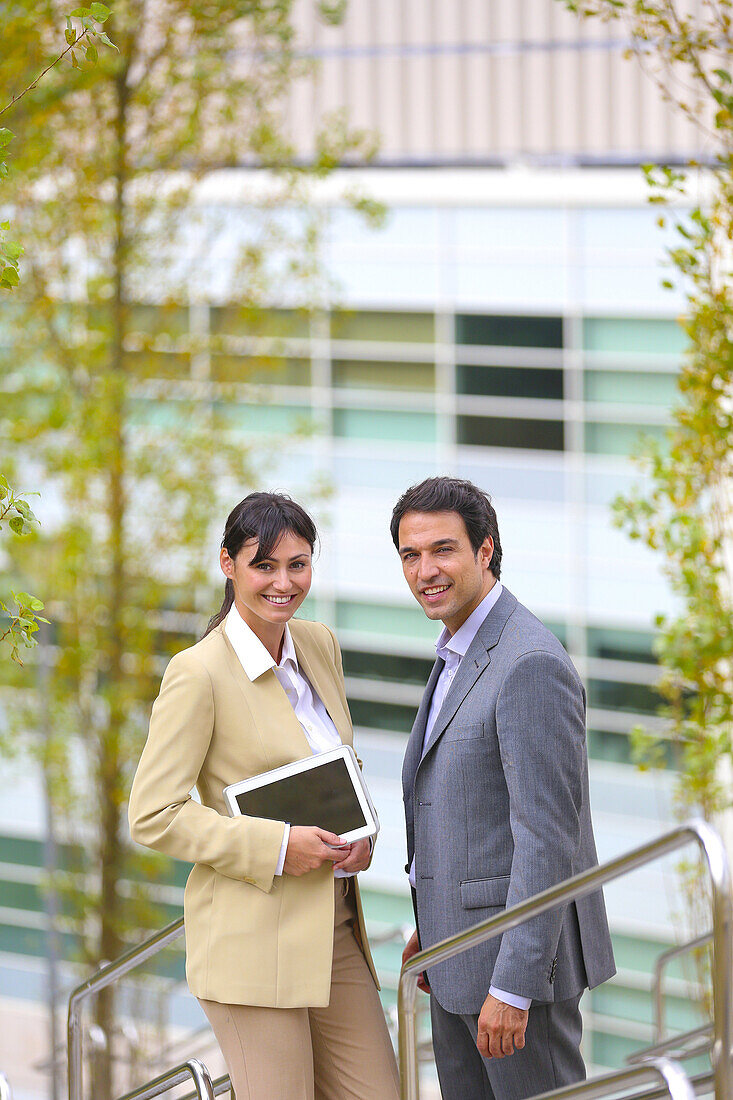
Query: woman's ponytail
x,y
224,609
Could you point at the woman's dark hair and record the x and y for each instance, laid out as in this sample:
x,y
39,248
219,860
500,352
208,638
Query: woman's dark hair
x,y
265,517
451,494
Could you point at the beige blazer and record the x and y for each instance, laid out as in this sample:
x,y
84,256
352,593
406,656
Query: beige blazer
x,y
251,937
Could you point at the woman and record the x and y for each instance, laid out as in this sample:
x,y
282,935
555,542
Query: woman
x,y
276,949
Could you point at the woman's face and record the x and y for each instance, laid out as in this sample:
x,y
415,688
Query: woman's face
x,y
272,590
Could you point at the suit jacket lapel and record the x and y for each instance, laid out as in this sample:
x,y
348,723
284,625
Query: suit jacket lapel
x,y
477,658
415,742
322,678
281,734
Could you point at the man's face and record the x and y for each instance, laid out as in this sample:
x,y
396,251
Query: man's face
x,y
447,579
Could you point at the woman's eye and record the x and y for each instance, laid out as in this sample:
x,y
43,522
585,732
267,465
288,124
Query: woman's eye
x,y
264,566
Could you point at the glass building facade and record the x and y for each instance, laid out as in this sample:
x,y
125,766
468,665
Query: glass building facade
x,y
513,331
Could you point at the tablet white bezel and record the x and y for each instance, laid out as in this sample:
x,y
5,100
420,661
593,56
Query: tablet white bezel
x,y
343,752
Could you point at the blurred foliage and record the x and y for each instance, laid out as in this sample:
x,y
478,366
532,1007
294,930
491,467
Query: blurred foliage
x,y
22,614
82,29
116,191
684,511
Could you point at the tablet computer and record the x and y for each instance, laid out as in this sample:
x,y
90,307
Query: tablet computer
x,y
326,789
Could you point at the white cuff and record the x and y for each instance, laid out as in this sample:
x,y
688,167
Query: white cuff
x,y
512,999
283,851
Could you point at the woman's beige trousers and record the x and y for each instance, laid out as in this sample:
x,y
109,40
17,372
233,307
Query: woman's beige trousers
x,y
342,1052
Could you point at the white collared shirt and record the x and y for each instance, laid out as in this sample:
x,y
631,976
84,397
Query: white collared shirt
x,y
314,719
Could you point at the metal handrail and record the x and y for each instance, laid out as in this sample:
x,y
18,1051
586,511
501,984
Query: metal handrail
x,y
660,966
203,1085
6,1093
221,1085
674,1079
676,1046
104,977
711,846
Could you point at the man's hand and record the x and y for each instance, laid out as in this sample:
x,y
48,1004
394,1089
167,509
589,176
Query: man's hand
x,y
412,947
355,857
501,1028
309,847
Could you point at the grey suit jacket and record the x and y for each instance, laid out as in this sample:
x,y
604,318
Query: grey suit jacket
x,y
497,809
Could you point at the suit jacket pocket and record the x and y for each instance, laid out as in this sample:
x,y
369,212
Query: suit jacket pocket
x,y
463,731
482,893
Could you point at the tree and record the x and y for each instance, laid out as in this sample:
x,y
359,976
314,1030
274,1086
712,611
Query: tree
x,y
684,512
23,618
109,193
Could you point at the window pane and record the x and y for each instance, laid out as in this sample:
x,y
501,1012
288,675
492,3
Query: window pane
x,y
374,618
612,695
633,335
510,332
365,374
406,328
386,666
494,431
150,364
171,320
268,370
378,424
382,716
631,387
266,418
237,320
621,645
510,381
617,439
604,745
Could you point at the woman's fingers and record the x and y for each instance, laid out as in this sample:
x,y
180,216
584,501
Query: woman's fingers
x,y
309,847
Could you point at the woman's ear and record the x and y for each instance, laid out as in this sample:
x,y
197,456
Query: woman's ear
x,y
226,563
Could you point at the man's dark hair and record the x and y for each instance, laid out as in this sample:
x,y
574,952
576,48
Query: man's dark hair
x,y
451,494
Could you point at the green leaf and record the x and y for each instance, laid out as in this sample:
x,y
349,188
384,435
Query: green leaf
x,y
6,136
723,75
91,54
9,277
79,13
70,36
16,524
35,604
107,41
100,12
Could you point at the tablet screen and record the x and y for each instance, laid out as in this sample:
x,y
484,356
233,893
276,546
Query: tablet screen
x,y
322,796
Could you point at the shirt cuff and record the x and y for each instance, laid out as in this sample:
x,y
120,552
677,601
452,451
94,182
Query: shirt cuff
x,y
512,999
283,851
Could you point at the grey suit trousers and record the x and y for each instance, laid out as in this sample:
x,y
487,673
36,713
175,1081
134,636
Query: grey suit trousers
x,y
550,1058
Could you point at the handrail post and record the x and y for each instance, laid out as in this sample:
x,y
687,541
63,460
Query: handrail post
x,y
100,980
577,887
660,966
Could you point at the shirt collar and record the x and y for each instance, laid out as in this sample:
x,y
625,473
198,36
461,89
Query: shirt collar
x,y
253,655
458,643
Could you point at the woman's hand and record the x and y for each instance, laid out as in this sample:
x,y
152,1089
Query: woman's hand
x,y
357,859
308,848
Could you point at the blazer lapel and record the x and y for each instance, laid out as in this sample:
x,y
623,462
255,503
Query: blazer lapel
x,y
322,678
413,751
477,658
281,734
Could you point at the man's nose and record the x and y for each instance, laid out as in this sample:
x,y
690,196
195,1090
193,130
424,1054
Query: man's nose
x,y
427,569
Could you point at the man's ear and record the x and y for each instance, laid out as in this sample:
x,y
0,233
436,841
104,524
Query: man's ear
x,y
486,550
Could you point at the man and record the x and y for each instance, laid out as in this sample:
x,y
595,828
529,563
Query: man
x,y
495,784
